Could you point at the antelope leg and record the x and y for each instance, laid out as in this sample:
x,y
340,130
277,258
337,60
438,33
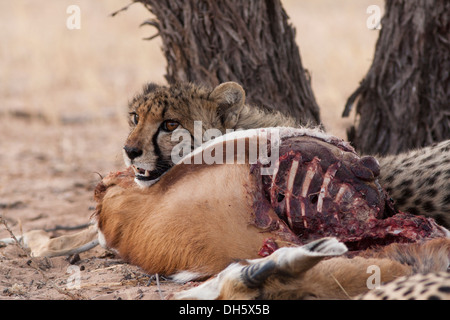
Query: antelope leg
x,y
41,245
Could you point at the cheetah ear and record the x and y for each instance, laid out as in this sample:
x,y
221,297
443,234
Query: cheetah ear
x,y
150,87
230,97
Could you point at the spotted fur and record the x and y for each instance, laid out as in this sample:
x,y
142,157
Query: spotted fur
x,y
430,286
419,181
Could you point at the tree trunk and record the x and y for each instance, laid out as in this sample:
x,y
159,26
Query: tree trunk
x,y
404,100
250,42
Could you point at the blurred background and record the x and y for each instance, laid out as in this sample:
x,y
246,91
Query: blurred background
x,y
68,75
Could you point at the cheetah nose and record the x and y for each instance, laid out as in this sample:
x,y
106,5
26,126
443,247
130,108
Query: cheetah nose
x,y
132,152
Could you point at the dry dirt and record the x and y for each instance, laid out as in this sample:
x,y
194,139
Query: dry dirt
x,y
63,99
48,182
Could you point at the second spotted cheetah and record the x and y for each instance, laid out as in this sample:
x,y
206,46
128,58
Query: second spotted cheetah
x,y
419,181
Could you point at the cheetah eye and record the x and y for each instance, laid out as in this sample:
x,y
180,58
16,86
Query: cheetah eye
x,y
169,125
134,118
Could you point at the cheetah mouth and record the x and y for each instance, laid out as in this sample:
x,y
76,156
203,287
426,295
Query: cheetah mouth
x,y
146,175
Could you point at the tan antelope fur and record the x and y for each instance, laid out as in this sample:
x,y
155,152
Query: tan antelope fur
x,y
306,273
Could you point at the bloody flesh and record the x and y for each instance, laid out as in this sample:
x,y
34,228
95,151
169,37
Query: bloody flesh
x,y
321,189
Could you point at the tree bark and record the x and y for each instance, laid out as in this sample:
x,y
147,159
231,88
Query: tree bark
x,y
404,100
250,42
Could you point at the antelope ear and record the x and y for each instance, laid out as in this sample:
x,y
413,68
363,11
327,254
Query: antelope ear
x,y
230,97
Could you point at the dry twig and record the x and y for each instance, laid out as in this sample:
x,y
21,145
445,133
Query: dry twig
x,y
33,263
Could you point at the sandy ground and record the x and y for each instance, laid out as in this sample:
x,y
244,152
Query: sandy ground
x,y
63,97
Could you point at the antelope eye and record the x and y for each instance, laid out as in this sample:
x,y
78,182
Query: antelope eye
x,y
169,125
